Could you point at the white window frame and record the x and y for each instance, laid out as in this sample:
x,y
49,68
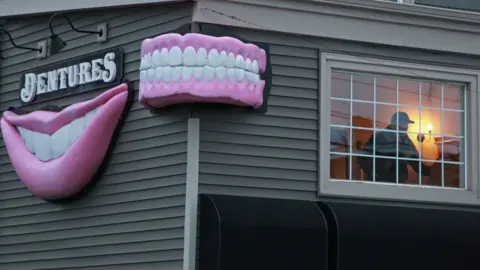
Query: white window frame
x,y
358,189
411,2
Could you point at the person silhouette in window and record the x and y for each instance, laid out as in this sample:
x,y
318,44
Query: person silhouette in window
x,y
386,146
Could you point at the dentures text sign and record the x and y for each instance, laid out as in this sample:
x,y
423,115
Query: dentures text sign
x,y
81,74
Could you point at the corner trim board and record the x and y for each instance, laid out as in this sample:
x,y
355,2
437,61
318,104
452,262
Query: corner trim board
x,y
191,195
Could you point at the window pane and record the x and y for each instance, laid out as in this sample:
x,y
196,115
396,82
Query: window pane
x,y
429,150
435,178
432,94
453,175
339,167
451,149
407,115
471,5
413,177
385,170
431,122
407,147
453,96
360,138
362,168
409,92
362,115
386,90
384,115
339,140
363,87
340,85
386,143
340,112
453,123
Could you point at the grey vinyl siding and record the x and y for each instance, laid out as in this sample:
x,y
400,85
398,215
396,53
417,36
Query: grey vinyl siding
x,y
134,217
276,154
272,154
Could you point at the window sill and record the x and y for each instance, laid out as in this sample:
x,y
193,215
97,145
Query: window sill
x,y
410,193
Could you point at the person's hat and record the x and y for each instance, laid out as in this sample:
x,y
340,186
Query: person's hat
x,y
402,118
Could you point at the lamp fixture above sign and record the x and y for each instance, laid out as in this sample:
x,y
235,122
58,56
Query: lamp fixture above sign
x,y
213,66
41,47
57,44
97,70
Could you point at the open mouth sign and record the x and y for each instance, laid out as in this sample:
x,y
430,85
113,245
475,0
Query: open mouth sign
x,y
57,154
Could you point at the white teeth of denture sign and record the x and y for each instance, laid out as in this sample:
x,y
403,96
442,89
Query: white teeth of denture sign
x,y
173,65
47,147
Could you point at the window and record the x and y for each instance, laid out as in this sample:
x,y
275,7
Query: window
x,y
465,5
366,110
460,5
400,1
398,130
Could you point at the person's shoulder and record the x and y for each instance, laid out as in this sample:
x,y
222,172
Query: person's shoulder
x,y
382,133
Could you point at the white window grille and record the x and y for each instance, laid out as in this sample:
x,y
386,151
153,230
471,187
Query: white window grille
x,y
429,104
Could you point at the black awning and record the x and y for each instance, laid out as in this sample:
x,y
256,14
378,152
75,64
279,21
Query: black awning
x,y
259,234
400,237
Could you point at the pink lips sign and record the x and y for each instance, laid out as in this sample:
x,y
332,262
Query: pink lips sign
x,y
58,154
212,66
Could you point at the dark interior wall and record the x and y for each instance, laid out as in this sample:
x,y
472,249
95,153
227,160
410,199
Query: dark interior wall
x,y
134,217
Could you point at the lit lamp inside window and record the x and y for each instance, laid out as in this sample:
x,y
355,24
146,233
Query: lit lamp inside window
x,y
421,136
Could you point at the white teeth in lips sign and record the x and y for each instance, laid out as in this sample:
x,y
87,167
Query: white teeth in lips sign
x,y
175,65
47,147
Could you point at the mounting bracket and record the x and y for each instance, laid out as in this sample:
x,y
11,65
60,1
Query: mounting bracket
x,y
103,37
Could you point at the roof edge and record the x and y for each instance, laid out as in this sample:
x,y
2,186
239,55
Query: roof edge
x,y
355,20
12,8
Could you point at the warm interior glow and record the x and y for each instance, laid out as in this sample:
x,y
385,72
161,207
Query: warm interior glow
x,y
428,147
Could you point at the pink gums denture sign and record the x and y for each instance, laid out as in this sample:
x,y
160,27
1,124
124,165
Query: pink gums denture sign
x,y
201,68
57,154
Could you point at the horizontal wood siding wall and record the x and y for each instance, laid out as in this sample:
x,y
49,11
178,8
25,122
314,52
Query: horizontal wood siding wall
x,y
275,154
134,217
272,154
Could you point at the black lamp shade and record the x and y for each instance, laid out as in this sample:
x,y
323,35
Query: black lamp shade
x,y
420,137
56,44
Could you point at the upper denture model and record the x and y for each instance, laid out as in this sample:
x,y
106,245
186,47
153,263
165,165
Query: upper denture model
x,y
201,68
56,154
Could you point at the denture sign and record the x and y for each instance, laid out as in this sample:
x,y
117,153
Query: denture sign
x,y
196,67
57,154
72,76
